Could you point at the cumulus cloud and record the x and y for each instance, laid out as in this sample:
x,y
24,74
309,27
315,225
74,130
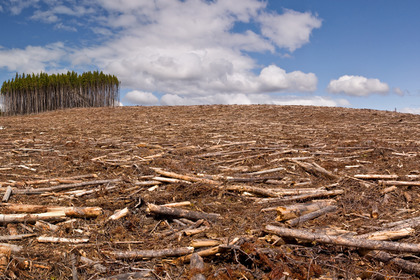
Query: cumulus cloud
x,y
246,99
411,110
136,97
290,30
357,86
186,49
32,58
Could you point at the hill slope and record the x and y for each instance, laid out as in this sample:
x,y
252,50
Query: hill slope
x,y
235,157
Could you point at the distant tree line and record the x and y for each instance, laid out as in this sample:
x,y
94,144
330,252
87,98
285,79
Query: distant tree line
x,y
26,94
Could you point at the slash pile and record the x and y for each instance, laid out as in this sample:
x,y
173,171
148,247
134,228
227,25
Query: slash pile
x,y
210,192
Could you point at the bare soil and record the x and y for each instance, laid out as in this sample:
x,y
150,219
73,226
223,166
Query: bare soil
x,y
211,142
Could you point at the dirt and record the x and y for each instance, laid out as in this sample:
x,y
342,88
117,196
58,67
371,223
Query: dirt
x,y
210,142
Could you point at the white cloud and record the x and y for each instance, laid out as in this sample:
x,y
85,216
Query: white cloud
x,y
398,91
246,99
290,30
357,86
32,58
136,97
186,49
16,6
411,110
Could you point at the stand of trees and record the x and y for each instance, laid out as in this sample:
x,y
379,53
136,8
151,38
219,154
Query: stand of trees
x,y
26,94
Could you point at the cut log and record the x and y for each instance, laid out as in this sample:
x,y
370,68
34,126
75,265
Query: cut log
x,y
178,204
204,253
406,266
344,241
148,254
312,215
15,237
79,212
18,218
65,187
184,177
390,234
399,183
297,210
53,239
376,176
300,197
412,222
315,169
119,214
7,194
205,243
266,171
181,213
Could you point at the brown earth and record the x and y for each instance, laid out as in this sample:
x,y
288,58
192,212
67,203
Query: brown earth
x,y
210,142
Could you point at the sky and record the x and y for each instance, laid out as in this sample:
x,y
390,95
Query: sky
x,y
356,54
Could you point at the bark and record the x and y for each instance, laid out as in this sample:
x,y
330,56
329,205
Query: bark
x,y
7,194
312,215
389,234
181,213
376,176
65,187
315,169
80,212
344,241
204,253
119,214
205,243
18,218
407,266
184,177
399,183
301,197
148,254
297,210
53,239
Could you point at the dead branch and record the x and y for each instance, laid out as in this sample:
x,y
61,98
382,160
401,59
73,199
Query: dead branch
x,y
388,234
376,176
147,254
293,211
399,183
53,239
312,215
181,213
17,218
315,169
65,187
183,177
300,197
407,266
344,241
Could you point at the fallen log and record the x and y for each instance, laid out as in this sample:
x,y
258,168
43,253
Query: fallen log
x,y
296,210
412,222
266,171
64,187
315,169
399,183
184,177
181,213
146,274
376,176
406,266
148,254
79,212
16,237
18,218
53,239
344,241
389,234
300,197
312,215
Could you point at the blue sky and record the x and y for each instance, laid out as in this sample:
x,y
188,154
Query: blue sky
x,y
359,54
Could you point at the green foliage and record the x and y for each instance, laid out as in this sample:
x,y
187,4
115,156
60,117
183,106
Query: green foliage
x,y
36,93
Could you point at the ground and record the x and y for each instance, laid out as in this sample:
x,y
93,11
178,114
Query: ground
x,y
224,144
